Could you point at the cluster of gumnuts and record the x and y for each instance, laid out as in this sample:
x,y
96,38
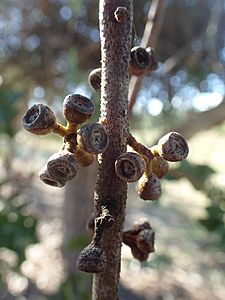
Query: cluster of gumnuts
x,y
145,165
81,142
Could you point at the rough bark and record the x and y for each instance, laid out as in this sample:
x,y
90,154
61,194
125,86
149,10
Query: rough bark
x,y
110,190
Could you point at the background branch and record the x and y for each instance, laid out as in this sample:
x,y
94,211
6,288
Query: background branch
x,y
202,121
150,37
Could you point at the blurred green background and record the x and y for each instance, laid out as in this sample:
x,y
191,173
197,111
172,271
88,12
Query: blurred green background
x,y
47,49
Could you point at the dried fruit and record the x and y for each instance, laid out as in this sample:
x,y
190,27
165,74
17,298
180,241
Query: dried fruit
x,y
39,119
130,166
153,64
173,147
92,259
62,166
139,62
140,239
93,138
94,79
145,240
47,179
138,254
77,109
141,225
149,188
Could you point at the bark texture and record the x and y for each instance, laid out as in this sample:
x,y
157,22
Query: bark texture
x,y
110,190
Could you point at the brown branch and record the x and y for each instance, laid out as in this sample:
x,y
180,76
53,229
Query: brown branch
x,y
202,121
111,191
179,56
150,37
208,39
212,29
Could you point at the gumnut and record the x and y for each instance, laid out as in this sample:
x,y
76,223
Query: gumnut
x,y
62,166
92,259
94,79
173,147
39,119
149,187
159,166
153,63
139,61
130,166
140,239
93,138
141,225
146,240
47,179
138,254
77,109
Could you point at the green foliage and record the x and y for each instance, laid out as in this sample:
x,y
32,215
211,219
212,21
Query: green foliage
x,y
199,176
196,174
8,111
76,286
214,221
78,243
158,261
17,228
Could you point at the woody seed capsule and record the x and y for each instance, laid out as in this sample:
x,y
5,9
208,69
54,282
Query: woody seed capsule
x,y
153,63
130,166
47,179
92,259
145,240
139,61
149,188
62,166
138,254
173,147
93,138
39,119
77,109
94,79
140,239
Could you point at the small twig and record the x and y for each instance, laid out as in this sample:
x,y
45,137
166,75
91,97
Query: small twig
x,y
139,148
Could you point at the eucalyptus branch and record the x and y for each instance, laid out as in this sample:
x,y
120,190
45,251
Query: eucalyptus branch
x,y
111,191
108,139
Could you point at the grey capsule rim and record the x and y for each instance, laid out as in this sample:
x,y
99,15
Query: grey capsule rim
x,y
73,104
125,157
86,137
